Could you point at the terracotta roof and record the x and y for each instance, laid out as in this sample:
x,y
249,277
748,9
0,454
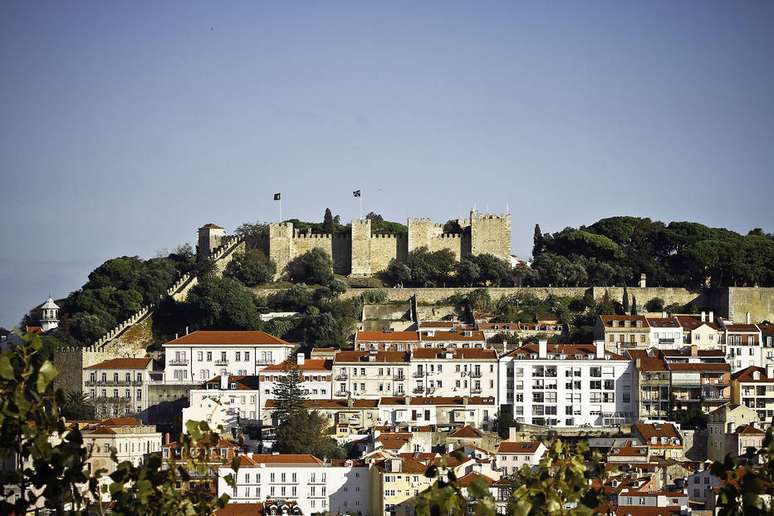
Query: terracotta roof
x,y
437,324
658,430
393,441
456,354
241,509
690,322
121,421
297,459
472,477
742,328
747,375
567,349
607,320
647,363
663,322
122,363
436,400
379,336
249,382
475,335
707,366
467,432
749,430
252,338
310,364
331,404
409,465
364,356
519,447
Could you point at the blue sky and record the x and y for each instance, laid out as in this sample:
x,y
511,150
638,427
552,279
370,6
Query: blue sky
x,y
124,128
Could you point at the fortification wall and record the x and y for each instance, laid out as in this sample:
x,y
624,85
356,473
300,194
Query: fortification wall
x,y
383,249
450,242
281,245
490,234
303,243
668,294
361,247
758,301
342,253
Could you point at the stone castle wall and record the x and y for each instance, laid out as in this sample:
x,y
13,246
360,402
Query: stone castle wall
x,y
363,253
758,301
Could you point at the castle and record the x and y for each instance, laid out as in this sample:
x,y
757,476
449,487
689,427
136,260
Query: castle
x,y
360,252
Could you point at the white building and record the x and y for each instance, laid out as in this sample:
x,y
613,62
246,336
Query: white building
x,y
237,402
743,345
49,318
370,374
119,386
567,385
127,437
665,332
439,411
317,487
458,338
453,372
201,355
386,340
512,455
316,376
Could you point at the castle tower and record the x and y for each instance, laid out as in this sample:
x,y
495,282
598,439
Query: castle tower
x,y
361,247
490,234
49,319
281,250
210,237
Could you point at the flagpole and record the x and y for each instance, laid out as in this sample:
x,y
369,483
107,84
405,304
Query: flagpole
x,y
360,198
280,206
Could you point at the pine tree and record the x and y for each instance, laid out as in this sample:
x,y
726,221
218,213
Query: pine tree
x,y
538,243
626,306
634,305
288,395
328,225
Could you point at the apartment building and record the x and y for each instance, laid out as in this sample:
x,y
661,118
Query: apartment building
x,y
721,425
342,487
652,384
453,372
127,437
370,374
237,402
622,332
201,355
665,332
567,385
742,343
395,484
704,386
438,411
386,340
663,440
347,416
118,386
520,330
753,387
316,377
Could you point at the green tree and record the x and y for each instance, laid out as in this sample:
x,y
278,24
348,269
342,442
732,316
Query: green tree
x,y
76,406
314,267
329,227
307,432
468,272
288,394
251,268
222,303
634,305
322,329
538,244
625,303
655,305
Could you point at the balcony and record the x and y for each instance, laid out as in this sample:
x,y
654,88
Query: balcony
x,y
178,362
398,377
418,374
475,390
475,374
342,394
342,376
418,390
108,383
221,362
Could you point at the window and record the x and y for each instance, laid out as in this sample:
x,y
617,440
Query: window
x,y
238,356
200,355
209,356
247,356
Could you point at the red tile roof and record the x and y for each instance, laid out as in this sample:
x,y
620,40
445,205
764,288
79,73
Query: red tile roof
x,y
647,363
607,320
310,364
456,354
472,477
364,356
707,366
436,400
742,328
474,335
658,430
663,322
297,459
251,338
340,404
387,336
747,375
567,349
519,447
122,363
467,432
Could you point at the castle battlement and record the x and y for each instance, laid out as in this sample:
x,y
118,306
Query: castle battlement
x,y
449,236
312,235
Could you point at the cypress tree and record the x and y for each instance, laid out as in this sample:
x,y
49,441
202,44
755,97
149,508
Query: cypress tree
x,y
288,395
328,225
538,242
626,306
634,305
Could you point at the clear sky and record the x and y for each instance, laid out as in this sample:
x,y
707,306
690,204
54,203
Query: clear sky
x,y
124,128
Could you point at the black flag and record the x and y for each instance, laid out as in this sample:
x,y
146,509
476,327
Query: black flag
x,y
356,193
277,196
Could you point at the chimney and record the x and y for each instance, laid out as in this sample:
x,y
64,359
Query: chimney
x,y
542,348
224,381
711,316
703,316
664,315
638,363
694,350
186,330
747,318
643,280
600,351
166,438
300,358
